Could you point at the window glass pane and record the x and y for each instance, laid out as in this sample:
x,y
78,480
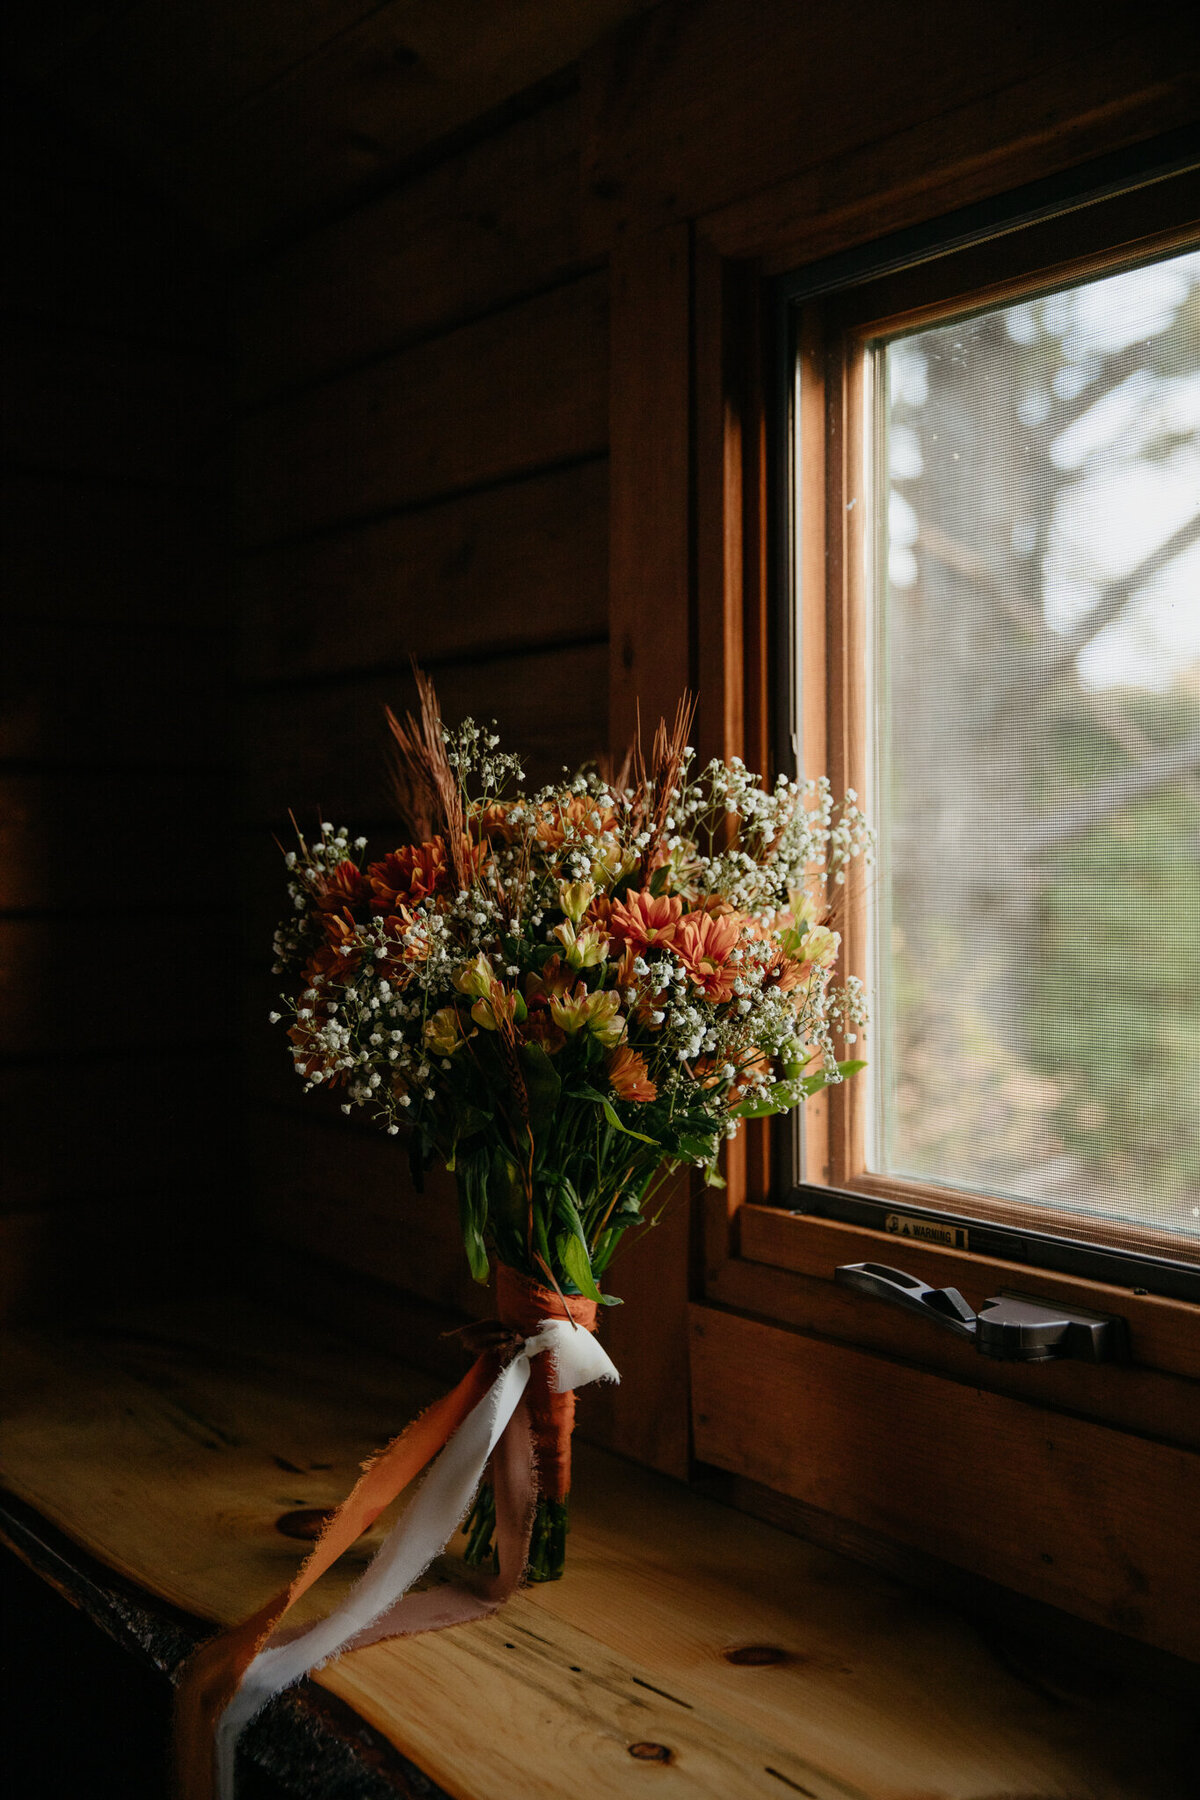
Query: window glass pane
x,y
1037,917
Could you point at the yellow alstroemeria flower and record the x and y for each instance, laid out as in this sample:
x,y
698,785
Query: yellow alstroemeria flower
x,y
598,1013
820,946
583,949
475,978
575,897
443,1033
497,1005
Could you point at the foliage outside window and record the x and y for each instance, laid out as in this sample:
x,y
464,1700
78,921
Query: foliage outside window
x,y
1036,600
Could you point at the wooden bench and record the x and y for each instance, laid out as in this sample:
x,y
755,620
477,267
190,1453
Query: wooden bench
x,y
158,1466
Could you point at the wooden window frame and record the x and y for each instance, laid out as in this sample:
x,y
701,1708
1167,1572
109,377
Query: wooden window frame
x,y
837,372
768,1263
746,664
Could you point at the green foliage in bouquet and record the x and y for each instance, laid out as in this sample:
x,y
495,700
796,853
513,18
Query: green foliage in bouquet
x,y
561,996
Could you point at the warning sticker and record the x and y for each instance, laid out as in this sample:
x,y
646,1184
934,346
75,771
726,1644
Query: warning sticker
x,y
928,1231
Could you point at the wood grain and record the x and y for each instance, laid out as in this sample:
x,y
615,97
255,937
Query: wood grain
x,y
650,555
343,1192
646,1418
1095,1520
326,746
168,1441
478,230
513,393
703,105
55,1261
410,73
720,453
1048,122
495,571
1134,1398
649,668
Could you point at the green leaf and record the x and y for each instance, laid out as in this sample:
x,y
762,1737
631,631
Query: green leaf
x,y
591,1093
541,1241
469,1119
541,1083
575,1260
566,1205
507,1190
812,1084
759,1109
713,1177
611,1115
472,1213
611,1300
699,1149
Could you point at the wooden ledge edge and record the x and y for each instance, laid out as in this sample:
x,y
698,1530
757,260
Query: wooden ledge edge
x,y
308,1741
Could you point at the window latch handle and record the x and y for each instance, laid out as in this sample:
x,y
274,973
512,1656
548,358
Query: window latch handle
x,y
1011,1327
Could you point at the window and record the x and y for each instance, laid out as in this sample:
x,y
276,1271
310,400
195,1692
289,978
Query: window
x,y
988,453
995,539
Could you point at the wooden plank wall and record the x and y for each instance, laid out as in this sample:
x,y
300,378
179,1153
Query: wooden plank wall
x,y
769,137
422,453
437,453
114,762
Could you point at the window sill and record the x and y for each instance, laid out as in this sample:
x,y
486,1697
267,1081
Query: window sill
x,y
163,1447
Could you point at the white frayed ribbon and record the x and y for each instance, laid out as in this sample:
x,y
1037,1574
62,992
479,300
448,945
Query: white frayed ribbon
x,y
375,1607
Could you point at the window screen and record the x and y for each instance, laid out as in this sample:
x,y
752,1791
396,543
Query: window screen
x,y
1036,914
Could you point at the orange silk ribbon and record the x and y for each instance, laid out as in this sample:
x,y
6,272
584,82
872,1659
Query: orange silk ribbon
x,y
211,1675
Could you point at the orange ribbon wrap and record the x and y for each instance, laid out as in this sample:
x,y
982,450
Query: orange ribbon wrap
x,y
211,1675
523,1303
533,1455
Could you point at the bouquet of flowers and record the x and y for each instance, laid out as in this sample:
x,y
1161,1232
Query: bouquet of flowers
x,y
564,995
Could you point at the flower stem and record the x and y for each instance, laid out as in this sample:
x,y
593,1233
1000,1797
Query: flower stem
x,y
547,1542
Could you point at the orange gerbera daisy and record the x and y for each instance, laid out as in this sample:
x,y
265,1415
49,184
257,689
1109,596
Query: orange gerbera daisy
x,y
409,874
757,1064
309,1059
784,973
493,821
629,1075
573,815
344,886
328,965
645,919
340,930
704,944
706,1072
397,963
624,974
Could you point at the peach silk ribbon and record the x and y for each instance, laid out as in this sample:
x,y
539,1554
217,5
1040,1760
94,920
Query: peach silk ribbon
x,y
487,1416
